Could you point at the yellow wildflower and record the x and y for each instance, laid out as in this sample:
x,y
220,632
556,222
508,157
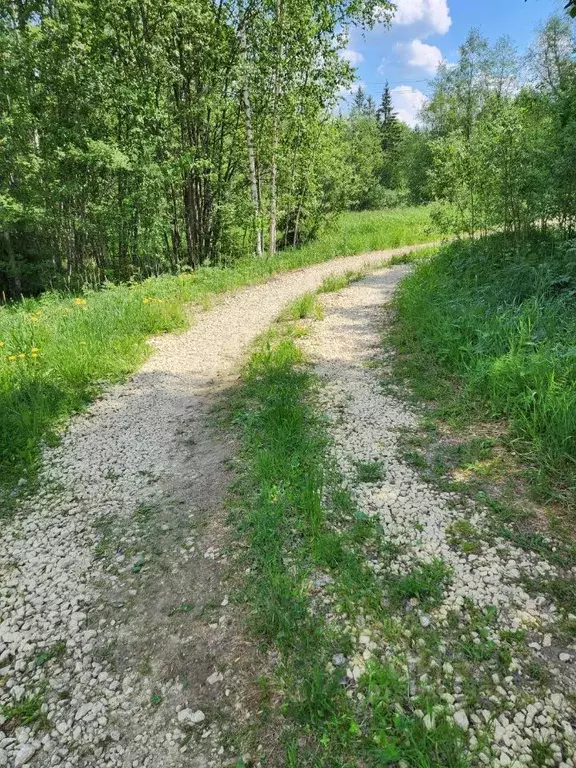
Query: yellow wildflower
x,y
21,355
146,300
34,355
34,350
34,318
11,358
1,344
81,302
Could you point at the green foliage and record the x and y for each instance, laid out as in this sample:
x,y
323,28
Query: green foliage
x,y
391,131
502,321
463,536
560,589
387,163
55,652
334,283
365,160
140,137
503,151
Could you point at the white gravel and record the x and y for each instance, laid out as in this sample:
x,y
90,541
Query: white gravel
x,y
124,452
365,420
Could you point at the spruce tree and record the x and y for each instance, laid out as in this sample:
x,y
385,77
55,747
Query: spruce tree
x,y
359,101
370,107
390,136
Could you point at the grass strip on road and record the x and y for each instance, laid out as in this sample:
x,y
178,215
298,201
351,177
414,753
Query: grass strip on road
x,y
311,590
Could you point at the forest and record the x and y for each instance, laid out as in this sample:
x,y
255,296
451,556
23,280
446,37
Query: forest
x,y
137,140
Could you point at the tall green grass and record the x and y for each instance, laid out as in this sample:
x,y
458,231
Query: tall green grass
x,y
56,351
503,323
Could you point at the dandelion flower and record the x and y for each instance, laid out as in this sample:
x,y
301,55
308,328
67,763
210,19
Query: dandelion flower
x,y
34,350
34,355
80,302
11,358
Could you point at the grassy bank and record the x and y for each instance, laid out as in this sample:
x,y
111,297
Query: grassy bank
x,y
56,351
488,331
294,543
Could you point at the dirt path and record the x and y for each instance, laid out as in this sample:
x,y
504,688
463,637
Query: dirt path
x,y
118,645
489,656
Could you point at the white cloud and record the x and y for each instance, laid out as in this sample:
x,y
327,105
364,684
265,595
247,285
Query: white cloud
x,y
352,57
433,16
408,102
421,55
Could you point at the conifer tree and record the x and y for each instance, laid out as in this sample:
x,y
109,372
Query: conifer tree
x,y
359,101
390,137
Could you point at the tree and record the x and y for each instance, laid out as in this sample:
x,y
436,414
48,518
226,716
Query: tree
x,y
370,108
504,153
359,100
140,137
365,161
390,137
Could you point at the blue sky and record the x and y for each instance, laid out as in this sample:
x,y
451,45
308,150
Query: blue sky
x,y
427,31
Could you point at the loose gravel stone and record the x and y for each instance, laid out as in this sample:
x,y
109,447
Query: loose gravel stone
x,y
461,720
188,717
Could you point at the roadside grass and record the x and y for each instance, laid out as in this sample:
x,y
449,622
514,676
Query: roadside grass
x,y
57,352
310,588
487,338
487,332
464,537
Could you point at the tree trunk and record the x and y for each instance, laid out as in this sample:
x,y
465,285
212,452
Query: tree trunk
x,y
13,270
274,187
254,188
275,135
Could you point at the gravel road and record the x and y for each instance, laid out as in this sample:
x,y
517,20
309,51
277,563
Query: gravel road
x,y
509,717
118,646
